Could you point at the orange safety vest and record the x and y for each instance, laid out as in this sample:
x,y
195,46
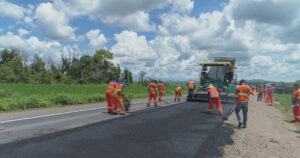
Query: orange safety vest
x,y
160,86
152,88
296,95
178,89
191,85
111,87
213,92
118,91
242,93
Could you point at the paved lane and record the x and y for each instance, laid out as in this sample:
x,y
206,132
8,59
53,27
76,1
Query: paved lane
x,y
182,130
36,124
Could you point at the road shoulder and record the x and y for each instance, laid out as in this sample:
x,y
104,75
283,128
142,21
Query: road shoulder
x,y
268,134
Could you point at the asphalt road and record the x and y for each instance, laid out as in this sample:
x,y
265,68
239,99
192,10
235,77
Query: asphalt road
x,y
182,130
34,123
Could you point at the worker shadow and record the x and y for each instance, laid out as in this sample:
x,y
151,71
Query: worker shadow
x,y
298,132
230,125
215,143
289,121
209,113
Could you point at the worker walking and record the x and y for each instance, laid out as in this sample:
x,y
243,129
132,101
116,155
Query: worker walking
x,y
191,85
161,89
242,94
152,89
260,94
117,101
178,91
110,89
266,93
214,99
296,102
270,95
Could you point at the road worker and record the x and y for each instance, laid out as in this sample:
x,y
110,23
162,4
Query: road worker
x,y
1,127
270,95
178,91
214,99
242,94
296,102
117,101
266,93
192,86
152,89
161,89
110,89
260,94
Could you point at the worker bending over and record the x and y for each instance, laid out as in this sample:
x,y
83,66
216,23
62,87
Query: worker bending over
x,y
109,91
191,85
296,102
152,89
117,101
178,91
161,89
214,99
242,94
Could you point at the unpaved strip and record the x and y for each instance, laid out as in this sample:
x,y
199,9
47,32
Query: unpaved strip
x,y
267,135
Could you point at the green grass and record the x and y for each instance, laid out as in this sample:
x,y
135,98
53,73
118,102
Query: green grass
x,y
26,96
286,107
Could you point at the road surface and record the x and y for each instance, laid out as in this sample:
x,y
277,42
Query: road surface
x,y
181,130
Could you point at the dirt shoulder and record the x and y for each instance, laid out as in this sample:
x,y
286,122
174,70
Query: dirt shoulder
x,y
267,135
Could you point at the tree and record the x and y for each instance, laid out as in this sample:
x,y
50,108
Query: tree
x,y
142,75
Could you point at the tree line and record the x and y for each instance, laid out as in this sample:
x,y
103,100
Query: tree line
x,y
83,70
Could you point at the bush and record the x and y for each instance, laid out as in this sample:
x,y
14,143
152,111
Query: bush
x,y
4,93
36,101
65,99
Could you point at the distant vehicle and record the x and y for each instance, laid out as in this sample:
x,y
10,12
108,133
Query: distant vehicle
x,y
221,74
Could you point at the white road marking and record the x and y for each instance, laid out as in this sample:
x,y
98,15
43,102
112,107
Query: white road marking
x,y
41,116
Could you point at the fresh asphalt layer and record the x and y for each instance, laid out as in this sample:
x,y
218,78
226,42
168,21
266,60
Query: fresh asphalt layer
x,y
40,122
182,130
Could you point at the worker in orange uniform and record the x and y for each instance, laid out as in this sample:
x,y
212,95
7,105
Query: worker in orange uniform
x,y
270,95
214,99
296,102
192,86
152,89
178,91
1,127
110,89
117,101
266,93
242,94
161,89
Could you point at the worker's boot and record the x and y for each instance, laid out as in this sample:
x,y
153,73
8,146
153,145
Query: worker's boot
x,y
244,126
148,105
240,124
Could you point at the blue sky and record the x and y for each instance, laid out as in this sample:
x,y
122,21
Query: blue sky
x,y
165,38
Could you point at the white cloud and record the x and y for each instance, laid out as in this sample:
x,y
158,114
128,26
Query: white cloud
x,y
31,46
23,32
55,23
96,39
182,6
11,10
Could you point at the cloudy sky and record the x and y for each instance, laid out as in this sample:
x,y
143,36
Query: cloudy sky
x,y
165,38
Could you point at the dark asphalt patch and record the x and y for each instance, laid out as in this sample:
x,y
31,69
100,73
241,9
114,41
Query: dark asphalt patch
x,y
181,130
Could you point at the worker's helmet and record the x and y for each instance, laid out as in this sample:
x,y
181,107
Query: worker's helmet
x,y
242,82
155,81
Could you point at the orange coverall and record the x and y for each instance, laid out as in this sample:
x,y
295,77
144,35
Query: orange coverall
x,y
161,89
296,104
178,91
152,89
111,88
214,99
266,94
117,101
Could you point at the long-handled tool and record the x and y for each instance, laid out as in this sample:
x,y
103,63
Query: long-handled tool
x,y
225,117
126,103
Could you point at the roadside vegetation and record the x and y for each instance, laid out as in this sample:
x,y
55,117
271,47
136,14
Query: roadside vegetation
x,y
16,96
285,106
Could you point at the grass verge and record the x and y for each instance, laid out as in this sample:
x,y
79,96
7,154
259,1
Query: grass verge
x,y
285,106
26,96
